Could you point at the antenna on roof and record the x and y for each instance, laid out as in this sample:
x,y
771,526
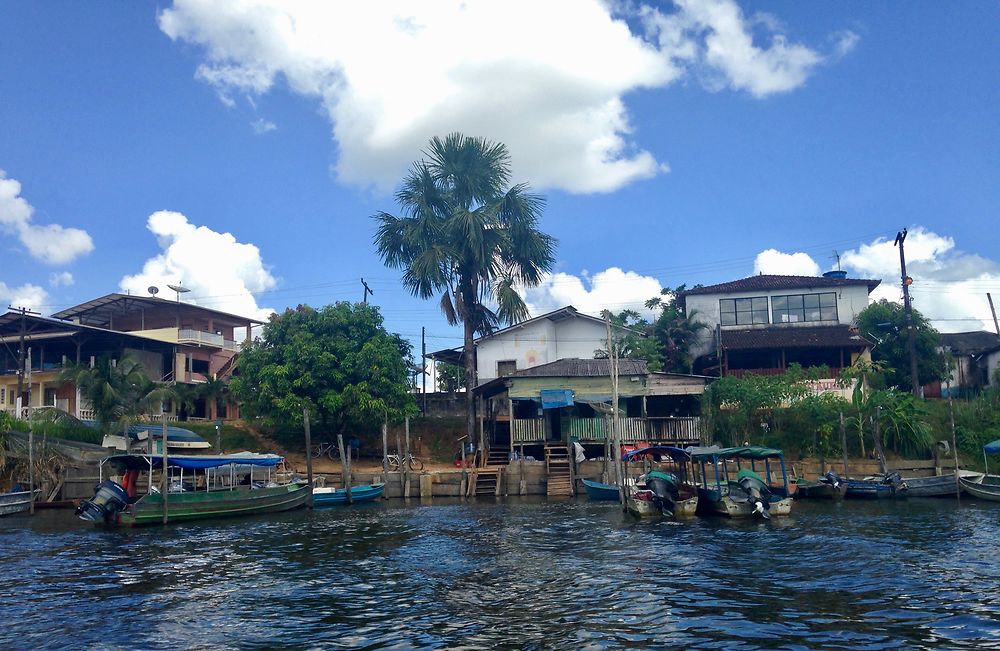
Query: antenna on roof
x,y
837,257
180,289
153,290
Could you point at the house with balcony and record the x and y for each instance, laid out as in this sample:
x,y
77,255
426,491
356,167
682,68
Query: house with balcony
x,y
765,323
562,333
570,400
175,342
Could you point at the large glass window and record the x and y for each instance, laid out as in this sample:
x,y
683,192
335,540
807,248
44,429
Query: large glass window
x,y
743,311
797,308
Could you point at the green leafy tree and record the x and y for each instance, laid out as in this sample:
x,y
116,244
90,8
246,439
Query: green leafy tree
x,y
754,398
450,377
884,324
339,362
630,339
675,331
119,392
467,236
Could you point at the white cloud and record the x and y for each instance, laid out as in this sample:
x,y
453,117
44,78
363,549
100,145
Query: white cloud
x,y
775,262
262,126
50,243
949,285
391,75
612,289
221,273
61,279
30,296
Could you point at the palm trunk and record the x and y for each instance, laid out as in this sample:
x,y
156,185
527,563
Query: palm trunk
x,y
470,380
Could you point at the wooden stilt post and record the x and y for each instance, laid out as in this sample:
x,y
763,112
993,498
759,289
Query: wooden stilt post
x,y
385,455
344,467
164,478
406,470
843,443
309,456
954,442
404,462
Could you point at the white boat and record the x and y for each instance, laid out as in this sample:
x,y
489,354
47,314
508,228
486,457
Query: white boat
x,y
985,486
17,501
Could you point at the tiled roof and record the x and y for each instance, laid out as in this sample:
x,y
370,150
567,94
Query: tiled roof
x,y
793,337
575,367
771,283
970,343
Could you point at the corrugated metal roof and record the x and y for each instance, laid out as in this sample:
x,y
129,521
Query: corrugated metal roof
x,y
576,367
772,282
793,337
970,343
125,302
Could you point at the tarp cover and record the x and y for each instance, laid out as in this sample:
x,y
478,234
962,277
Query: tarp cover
x,y
744,452
676,454
992,448
556,398
191,462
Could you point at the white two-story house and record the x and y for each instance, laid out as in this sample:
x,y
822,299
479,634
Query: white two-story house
x,y
764,323
562,334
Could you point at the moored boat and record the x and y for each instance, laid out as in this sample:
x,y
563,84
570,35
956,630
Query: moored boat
x,y
985,486
883,486
329,496
937,485
599,491
230,490
828,487
16,501
657,492
747,492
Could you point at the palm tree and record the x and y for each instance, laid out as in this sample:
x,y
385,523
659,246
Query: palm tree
x,y
118,392
466,235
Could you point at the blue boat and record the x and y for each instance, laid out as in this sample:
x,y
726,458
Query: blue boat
x,y
335,496
891,485
599,491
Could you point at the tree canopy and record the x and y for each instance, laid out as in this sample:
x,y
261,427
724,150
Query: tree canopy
x,y
338,361
467,236
884,324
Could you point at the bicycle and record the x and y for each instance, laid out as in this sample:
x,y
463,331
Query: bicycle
x,y
325,449
395,462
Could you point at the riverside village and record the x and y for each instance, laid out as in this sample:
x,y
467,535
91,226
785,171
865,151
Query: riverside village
x,y
475,325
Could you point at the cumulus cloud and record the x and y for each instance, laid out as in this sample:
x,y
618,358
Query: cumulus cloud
x,y
61,279
50,243
612,289
775,262
262,126
30,296
221,272
391,75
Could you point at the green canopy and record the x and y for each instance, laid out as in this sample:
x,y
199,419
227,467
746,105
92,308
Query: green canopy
x,y
742,452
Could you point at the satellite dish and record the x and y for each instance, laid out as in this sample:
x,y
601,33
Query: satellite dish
x,y
153,290
180,289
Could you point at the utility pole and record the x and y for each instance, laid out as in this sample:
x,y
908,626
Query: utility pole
x,y
994,313
908,308
368,290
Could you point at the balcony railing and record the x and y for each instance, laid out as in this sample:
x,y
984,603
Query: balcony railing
x,y
633,430
197,337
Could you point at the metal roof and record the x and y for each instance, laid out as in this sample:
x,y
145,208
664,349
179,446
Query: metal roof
x,y
970,343
43,327
97,311
773,282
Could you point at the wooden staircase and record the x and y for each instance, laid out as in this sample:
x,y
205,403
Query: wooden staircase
x,y
558,470
487,481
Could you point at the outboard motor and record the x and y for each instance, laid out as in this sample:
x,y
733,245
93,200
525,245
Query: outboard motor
x,y
664,486
757,491
895,480
833,479
109,499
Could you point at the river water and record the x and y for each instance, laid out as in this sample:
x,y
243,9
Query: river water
x,y
515,573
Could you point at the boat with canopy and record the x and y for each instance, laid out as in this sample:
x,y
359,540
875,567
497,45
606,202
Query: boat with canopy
x,y
200,487
741,482
985,486
666,490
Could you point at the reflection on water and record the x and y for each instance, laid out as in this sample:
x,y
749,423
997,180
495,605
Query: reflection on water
x,y
521,573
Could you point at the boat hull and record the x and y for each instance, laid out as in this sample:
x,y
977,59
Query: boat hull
x,y
202,505
985,487
821,491
599,491
711,501
864,489
937,486
19,502
338,496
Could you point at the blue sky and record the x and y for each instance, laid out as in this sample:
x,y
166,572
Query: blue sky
x,y
242,149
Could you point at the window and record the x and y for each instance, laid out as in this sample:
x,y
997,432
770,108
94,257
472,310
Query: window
x,y
799,308
3,395
743,311
506,367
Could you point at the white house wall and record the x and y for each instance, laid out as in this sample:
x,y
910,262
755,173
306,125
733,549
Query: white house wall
x,y
539,342
850,301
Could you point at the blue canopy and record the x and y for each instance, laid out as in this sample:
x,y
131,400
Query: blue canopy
x,y
992,448
191,462
677,454
555,398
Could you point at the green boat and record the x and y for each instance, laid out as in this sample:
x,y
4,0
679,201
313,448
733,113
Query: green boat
x,y
200,487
